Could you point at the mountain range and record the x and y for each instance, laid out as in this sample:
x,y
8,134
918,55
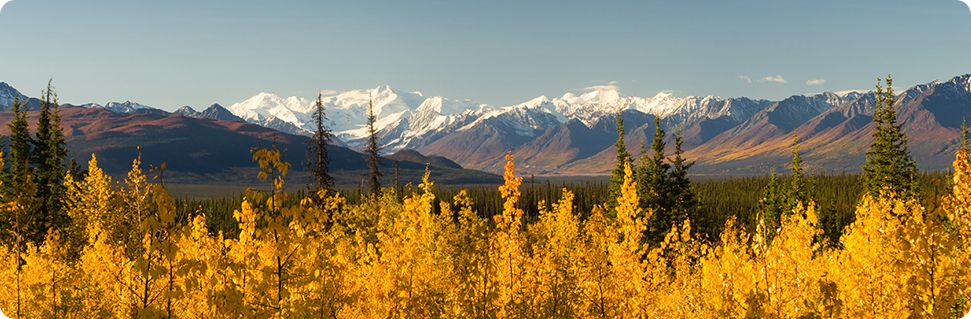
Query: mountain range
x,y
573,134
213,146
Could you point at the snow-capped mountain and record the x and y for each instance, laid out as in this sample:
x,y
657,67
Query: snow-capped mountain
x,y
412,120
127,107
8,94
186,111
406,114
213,112
571,133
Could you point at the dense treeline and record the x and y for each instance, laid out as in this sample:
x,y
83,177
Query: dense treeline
x,y
720,199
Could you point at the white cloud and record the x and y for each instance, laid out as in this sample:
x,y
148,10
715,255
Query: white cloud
x,y
610,86
967,3
774,79
3,3
744,78
815,82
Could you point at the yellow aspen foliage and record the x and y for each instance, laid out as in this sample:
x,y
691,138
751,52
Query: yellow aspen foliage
x,y
108,286
790,267
931,268
264,259
10,299
625,252
595,273
411,270
553,271
48,280
472,293
728,280
148,243
673,274
957,206
92,205
507,245
868,269
325,259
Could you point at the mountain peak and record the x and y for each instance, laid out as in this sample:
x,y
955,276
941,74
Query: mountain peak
x,y
185,110
384,88
126,107
602,94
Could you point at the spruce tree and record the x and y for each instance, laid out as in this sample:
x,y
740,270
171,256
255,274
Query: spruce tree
x,y
395,167
773,204
778,198
371,152
47,157
681,193
20,145
623,158
964,136
653,184
21,180
798,189
889,167
319,163
654,187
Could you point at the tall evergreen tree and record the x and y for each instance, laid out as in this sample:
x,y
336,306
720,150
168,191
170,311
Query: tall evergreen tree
x,y
780,199
623,158
798,189
20,177
681,193
395,167
964,136
371,151
889,166
20,145
48,155
772,204
654,187
653,182
319,163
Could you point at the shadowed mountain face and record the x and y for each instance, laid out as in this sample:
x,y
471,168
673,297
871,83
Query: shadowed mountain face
x,y
206,151
412,156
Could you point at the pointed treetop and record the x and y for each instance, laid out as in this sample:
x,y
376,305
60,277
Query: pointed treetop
x,y
964,135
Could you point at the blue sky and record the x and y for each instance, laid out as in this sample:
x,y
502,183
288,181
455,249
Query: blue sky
x,y
196,52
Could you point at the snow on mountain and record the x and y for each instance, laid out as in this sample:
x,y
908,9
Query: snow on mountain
x,y
401,116
412,120
126,107
213,112
187,111
8,94
264,107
